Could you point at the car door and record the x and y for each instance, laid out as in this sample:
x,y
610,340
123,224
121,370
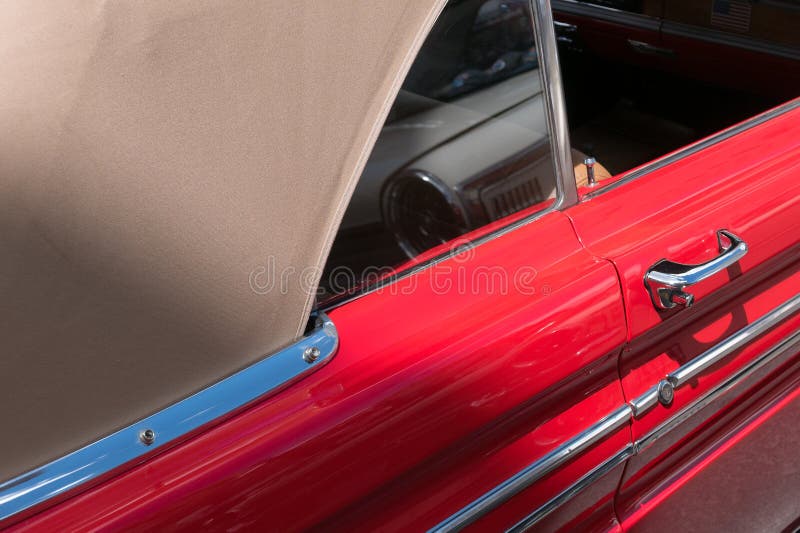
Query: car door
x,y
704,244
473,383
753,47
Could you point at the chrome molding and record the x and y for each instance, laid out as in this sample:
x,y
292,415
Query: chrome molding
x,y
555,106
571,491
697,147
536,470
625,414
712,356
788,347
166,428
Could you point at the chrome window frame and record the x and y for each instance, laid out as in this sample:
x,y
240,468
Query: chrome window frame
x,y
555,105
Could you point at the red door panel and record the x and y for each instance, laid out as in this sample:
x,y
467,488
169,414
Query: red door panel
x,y
725,418
746,184
436,395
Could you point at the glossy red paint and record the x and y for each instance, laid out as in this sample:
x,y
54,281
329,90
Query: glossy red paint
x,y
444,385
654,469
746,184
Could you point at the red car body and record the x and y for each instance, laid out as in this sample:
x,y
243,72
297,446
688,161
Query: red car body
x,y
416,416
435,399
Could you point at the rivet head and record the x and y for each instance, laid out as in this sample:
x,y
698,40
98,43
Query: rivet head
x,y
666,392
147,436
311,354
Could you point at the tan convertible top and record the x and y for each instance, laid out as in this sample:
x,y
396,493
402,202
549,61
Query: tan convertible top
x,y
153,156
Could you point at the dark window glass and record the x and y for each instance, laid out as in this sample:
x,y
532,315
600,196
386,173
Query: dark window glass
x,y
465,145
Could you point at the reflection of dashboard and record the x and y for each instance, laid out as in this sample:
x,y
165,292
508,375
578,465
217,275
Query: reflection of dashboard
x,y
465,142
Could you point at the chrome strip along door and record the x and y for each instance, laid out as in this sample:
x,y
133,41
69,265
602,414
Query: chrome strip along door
x,y
709,257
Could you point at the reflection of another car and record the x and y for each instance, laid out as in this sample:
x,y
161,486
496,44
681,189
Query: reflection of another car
x,y
646,77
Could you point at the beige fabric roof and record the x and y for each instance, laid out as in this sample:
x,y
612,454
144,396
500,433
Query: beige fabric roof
x,y
153,155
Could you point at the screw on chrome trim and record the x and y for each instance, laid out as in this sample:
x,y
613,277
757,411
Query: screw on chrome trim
x,y
147,436
666,392
311,354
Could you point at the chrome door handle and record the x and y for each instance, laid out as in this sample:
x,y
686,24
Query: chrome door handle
x,y
666,279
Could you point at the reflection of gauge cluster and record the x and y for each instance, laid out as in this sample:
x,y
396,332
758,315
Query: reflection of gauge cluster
x,y
422,212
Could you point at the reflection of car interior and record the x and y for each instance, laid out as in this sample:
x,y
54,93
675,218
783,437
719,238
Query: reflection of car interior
x,y
645,77
466,141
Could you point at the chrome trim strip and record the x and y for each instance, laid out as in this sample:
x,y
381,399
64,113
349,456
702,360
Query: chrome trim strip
x,y
746,335
729,39
697,146
685,373
621,416
787,346
573,490
536,470
642,404
608,14
555,106
127,446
